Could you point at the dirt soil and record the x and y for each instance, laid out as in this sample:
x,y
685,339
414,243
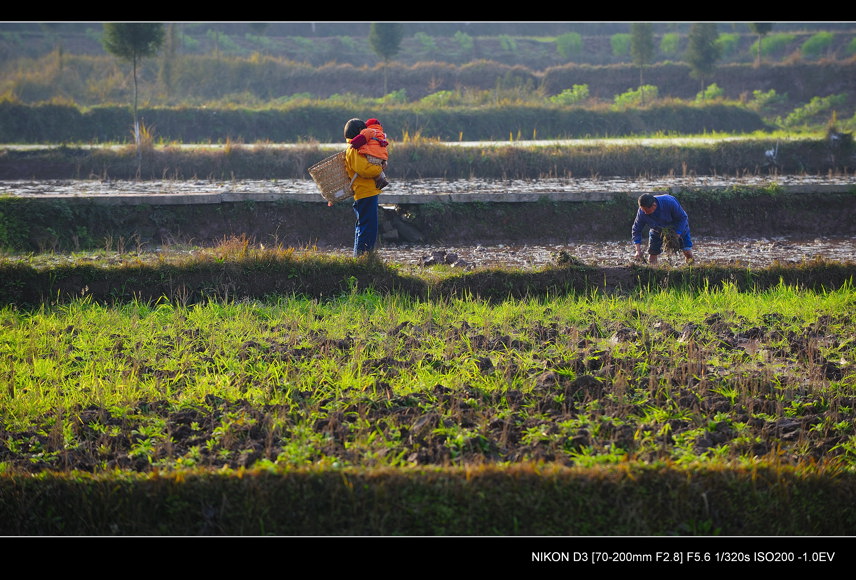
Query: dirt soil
x,y
749,252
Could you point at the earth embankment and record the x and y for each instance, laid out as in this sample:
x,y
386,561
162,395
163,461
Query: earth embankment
x,y
73,215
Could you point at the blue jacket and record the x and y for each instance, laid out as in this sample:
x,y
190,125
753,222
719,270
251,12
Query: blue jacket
x,y
669,213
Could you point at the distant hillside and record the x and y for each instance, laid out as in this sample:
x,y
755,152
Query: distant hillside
x,y
531,44
272,65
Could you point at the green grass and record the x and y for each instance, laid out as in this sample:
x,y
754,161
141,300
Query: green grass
x,y
428,413
577,380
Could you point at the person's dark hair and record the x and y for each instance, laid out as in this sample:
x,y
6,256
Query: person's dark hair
x,y
353,128
646,200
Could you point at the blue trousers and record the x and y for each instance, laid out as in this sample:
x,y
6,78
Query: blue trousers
x,y
365,232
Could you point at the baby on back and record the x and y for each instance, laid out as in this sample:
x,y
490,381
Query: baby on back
x,y
372,143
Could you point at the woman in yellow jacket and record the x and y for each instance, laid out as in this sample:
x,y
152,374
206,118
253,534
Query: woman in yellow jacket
x,y
365,191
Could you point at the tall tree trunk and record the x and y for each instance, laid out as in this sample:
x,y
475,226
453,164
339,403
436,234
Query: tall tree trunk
x,y
137,136
136,125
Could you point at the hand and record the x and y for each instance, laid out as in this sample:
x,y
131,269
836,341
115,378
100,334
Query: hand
x,y
329,204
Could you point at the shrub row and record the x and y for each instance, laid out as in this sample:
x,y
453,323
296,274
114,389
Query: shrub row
x,y
530,500
420,159
52,123
799,81
90,80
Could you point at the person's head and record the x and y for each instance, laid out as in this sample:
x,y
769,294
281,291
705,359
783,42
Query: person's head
x,y
353,128
647,202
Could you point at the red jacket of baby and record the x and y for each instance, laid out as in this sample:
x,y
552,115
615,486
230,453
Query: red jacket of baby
x,y
372,141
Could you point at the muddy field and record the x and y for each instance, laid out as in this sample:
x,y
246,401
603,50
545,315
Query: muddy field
x,y
769,243
749,252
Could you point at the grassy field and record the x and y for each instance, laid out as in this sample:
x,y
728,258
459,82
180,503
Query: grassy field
x,y
629,402
367,380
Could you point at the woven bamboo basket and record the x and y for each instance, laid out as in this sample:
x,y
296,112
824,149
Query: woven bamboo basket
x,y
332,179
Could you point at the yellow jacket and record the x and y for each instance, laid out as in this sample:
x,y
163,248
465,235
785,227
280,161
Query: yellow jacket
x,y
364,184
